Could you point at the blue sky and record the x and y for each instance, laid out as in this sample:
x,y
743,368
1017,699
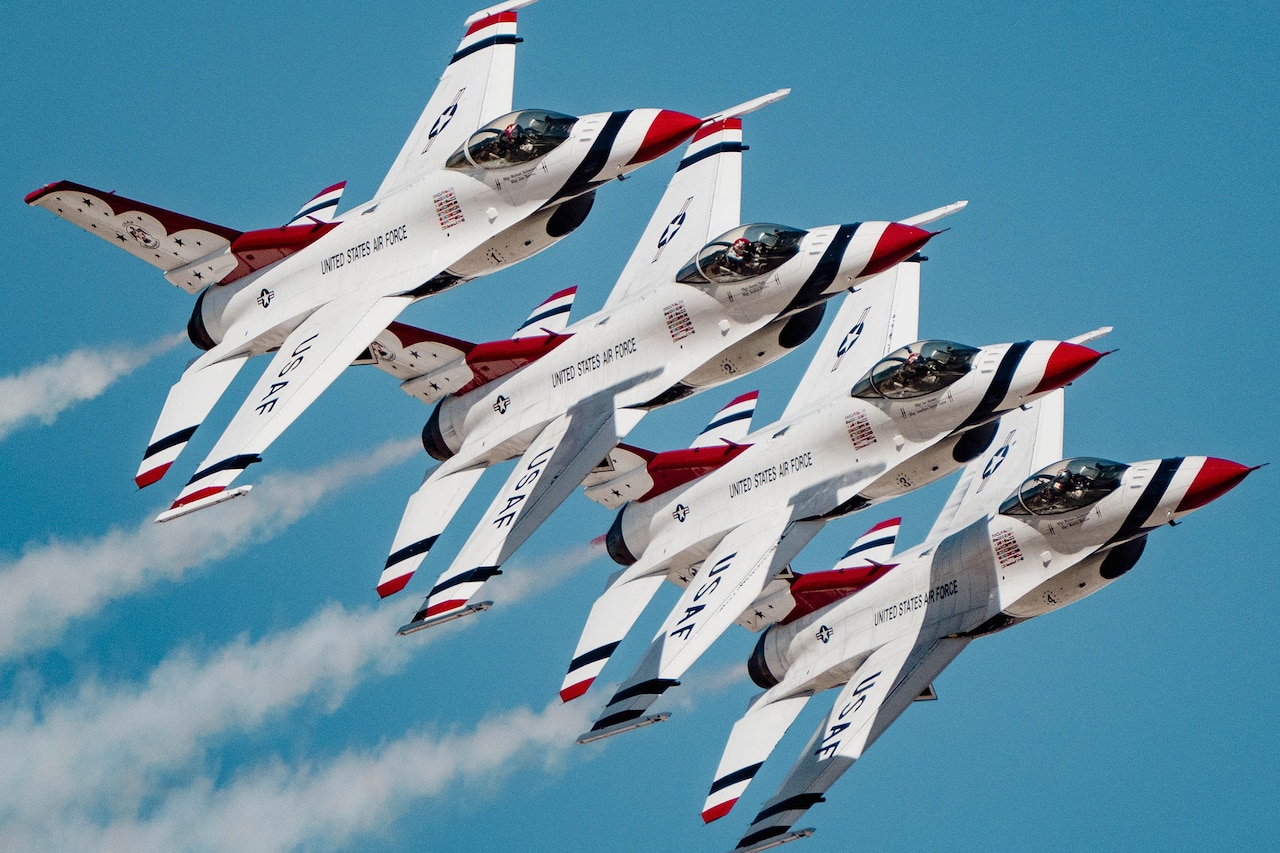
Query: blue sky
x,y
231,682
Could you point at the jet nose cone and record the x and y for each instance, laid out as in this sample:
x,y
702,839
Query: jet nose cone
x,y
1066,362
667,130
896,244
1215,479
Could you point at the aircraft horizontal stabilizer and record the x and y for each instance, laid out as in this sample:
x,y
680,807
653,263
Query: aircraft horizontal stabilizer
x,y
622,459
429,365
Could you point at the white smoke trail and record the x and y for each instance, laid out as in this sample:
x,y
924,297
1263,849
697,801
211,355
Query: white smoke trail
x,y
50,585
110,747
43,391
279,808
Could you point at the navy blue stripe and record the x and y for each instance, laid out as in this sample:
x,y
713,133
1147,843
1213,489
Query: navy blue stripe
x,y
746,774
485,43
825,272
1149,500
480,574
182,436
601,653
763,835
654,686
721,148
799,802
321,206
235,463
563,309
422,546
874,543
730,419
999,386
581,179
614,719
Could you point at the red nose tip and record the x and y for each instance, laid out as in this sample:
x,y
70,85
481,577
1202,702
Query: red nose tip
x,y
1066,362
896,244
669,129
1215,479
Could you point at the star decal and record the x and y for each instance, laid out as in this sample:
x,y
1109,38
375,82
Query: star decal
x,y
178,241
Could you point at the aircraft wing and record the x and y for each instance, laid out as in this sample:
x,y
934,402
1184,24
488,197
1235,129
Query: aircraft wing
x,y
307,362
189,402
874,319
890,679
750,743
702,201
551,468
427,514
611,617
728,580
476,86
1027,440
170,241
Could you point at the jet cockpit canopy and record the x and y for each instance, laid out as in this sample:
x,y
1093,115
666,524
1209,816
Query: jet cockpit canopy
x,y
745,252
513,139
916,369
1065,486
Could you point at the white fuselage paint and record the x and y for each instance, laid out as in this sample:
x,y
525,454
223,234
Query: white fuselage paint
x,y
634,351
399,241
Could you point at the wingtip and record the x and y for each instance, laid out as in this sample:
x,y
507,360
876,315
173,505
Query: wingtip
x,y
748,106
393,586
147,478
718,811
573,691
34,196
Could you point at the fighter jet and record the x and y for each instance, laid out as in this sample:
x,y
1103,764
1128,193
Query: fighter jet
x,y
999,554
733,518
475,188
701,300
